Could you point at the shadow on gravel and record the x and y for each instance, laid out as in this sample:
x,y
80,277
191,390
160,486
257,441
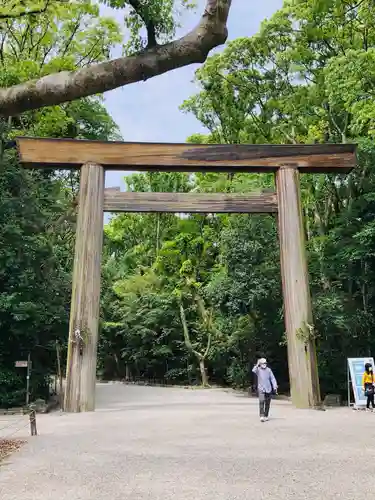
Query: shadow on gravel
x,y
177,406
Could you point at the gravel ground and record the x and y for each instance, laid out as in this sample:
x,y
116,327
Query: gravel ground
x,y
163,444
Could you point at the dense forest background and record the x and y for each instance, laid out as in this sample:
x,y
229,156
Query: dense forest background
x,y
191,299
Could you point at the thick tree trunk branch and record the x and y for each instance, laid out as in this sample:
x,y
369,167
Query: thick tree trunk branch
x,y
150,27
188,343
67,86
208,347
201,357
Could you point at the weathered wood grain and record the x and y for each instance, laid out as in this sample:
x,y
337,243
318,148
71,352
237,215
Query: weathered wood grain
x,y
303,371
65,153
84,311
115,201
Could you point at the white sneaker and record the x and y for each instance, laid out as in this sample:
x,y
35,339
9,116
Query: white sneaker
x,y
266,419
262,419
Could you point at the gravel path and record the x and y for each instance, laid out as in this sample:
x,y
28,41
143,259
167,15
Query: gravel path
x,y
163,444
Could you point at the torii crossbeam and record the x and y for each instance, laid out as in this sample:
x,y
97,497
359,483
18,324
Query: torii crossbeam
x,y
94,157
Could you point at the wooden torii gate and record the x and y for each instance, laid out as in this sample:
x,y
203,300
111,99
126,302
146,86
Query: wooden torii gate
x,y
94,158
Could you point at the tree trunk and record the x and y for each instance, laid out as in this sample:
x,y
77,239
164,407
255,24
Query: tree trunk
x,y
157,233
119,371
202,368
127,372
60,376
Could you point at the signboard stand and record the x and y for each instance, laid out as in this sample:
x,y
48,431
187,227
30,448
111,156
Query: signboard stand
x,y
28,380
26,364
356,367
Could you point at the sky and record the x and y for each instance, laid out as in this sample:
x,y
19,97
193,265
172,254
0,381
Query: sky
x,y
149,111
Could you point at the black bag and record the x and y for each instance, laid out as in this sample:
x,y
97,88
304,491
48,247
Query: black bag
x,y
369,390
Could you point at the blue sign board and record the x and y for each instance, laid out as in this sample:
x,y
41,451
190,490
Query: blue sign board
x,y
356,368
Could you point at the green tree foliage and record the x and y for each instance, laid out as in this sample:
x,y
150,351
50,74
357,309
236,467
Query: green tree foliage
x,y
38,209
150,23
35,277
305,77
60,38
191,299
150,49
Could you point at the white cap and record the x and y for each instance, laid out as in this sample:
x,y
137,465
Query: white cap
x,y
262,361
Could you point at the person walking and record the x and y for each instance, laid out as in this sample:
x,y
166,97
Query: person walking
x,y
267,386
368,385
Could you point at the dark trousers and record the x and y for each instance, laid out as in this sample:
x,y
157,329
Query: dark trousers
x,y
370,397
264,404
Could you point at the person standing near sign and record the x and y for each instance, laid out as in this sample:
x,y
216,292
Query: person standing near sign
x,y
267,386
369,385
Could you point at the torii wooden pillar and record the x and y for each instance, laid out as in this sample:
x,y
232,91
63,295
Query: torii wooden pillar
x,y
95,157
302,362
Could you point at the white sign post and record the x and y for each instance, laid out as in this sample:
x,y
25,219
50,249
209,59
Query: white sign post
x,y
356,367
26,364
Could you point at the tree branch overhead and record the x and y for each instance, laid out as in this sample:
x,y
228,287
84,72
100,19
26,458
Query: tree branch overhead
x,y
98,78
150,26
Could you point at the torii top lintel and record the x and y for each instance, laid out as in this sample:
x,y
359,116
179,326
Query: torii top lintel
x,y
71,154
